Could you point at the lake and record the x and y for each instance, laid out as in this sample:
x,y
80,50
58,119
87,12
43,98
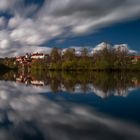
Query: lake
x,y
70,106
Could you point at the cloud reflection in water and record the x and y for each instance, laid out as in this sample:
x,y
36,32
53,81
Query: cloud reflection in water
x,y
26,114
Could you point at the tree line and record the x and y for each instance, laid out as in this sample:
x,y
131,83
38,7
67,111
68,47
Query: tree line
x,y
7,64
105,59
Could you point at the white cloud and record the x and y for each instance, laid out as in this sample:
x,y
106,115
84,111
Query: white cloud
x,y
21,50
87,16
4,40
7,4
4,44
15,21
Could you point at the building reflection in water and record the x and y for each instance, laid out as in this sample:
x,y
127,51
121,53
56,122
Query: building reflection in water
x,y
29,80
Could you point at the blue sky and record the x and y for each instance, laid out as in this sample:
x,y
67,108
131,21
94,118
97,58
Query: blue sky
x,y
126,32
31,24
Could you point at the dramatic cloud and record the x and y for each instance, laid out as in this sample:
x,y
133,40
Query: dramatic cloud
x,y
34,25
85,16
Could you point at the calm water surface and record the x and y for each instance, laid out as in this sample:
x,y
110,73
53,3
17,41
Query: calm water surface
x,y
69,106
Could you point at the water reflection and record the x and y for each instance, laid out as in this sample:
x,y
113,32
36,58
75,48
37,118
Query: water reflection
x,y
103,84
26,114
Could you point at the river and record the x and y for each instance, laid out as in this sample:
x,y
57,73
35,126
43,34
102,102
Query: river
x,y
69,106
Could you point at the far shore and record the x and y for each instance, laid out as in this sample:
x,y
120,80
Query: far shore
x,y
103,60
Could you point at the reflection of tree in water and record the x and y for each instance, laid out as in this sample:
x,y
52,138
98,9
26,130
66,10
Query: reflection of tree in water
x,y
107,83
69,81
114,83
55,84
8,76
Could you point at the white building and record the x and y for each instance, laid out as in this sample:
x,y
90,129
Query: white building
x,y
37,83
38,56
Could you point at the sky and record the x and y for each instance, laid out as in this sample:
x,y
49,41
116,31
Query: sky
x,y
34,25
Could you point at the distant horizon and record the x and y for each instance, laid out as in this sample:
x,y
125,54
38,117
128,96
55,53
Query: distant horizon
x,y
47,50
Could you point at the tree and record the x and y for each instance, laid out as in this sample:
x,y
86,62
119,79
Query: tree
x,y
85,53
55,55
121,59
69,55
